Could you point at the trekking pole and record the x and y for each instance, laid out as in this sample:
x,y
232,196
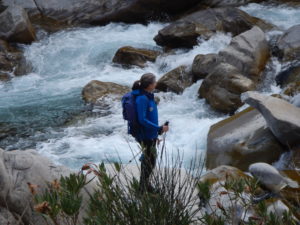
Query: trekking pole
x,y
164,140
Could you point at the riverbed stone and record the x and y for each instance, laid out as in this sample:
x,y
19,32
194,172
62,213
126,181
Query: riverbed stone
x,y
15,25
222,88
282,118
96,89
204,65
241,140
203,24
176,80
130,56
249,52
288,45
104,11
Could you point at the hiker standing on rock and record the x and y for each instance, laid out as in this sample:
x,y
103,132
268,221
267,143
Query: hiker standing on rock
x,y
146,129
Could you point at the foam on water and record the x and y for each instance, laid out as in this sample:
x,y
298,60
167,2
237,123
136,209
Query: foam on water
x,y
282,16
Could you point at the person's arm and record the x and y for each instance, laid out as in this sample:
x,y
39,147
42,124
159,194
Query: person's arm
x,y
142,103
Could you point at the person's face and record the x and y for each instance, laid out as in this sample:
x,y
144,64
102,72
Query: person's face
x,y
152,86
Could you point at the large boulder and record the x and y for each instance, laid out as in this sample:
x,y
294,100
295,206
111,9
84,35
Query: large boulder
x,y
14,62
128,56
176,80
97,89
204,65
222,88
104,11
15,25
249,52
289,76
240,140
288,45
17,168
226,3
282,118
289,80
185,32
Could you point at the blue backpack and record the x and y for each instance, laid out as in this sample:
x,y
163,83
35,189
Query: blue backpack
x,y
130,114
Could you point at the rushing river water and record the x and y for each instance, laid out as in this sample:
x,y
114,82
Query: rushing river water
x,y
39,104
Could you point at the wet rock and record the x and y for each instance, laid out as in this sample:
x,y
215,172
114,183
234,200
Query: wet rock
x,y
185,32
4,77
292,89
104,11
204,65
282,118
128,56
22,65
14,62
97,89
288,76
222,88
241,140
176,80
15,25
4,46
249,52
288,45
226,3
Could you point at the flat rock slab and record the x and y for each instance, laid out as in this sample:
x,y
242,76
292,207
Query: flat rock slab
x,y
282,118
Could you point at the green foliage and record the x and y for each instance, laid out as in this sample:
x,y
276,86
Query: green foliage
x,y
60,203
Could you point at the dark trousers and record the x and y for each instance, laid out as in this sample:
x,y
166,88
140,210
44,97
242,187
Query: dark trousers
x,y
148,161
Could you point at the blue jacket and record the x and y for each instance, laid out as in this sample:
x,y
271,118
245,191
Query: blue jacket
x,y
147,115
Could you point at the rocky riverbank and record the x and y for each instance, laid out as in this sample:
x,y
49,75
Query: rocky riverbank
x,y
226,80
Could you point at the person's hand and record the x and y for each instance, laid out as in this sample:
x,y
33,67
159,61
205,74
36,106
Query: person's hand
x,y
165,128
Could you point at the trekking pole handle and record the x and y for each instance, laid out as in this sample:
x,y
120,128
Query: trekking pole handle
x,y
166,123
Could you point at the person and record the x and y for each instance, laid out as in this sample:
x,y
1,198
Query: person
x,y
149,129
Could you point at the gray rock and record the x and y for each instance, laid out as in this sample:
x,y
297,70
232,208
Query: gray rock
x,y
204,65
4,77
282,118
289,44
17,168
222,88
176,80
241,140
15,25
249,52
226,3
97,89
103,11
7,218
129,56
203,24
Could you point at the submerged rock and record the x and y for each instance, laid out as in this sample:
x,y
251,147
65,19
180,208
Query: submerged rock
x,y
223,87
176,80
241,140
185,32
282,118
288,45
15,25
249,52
97,89
128,56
